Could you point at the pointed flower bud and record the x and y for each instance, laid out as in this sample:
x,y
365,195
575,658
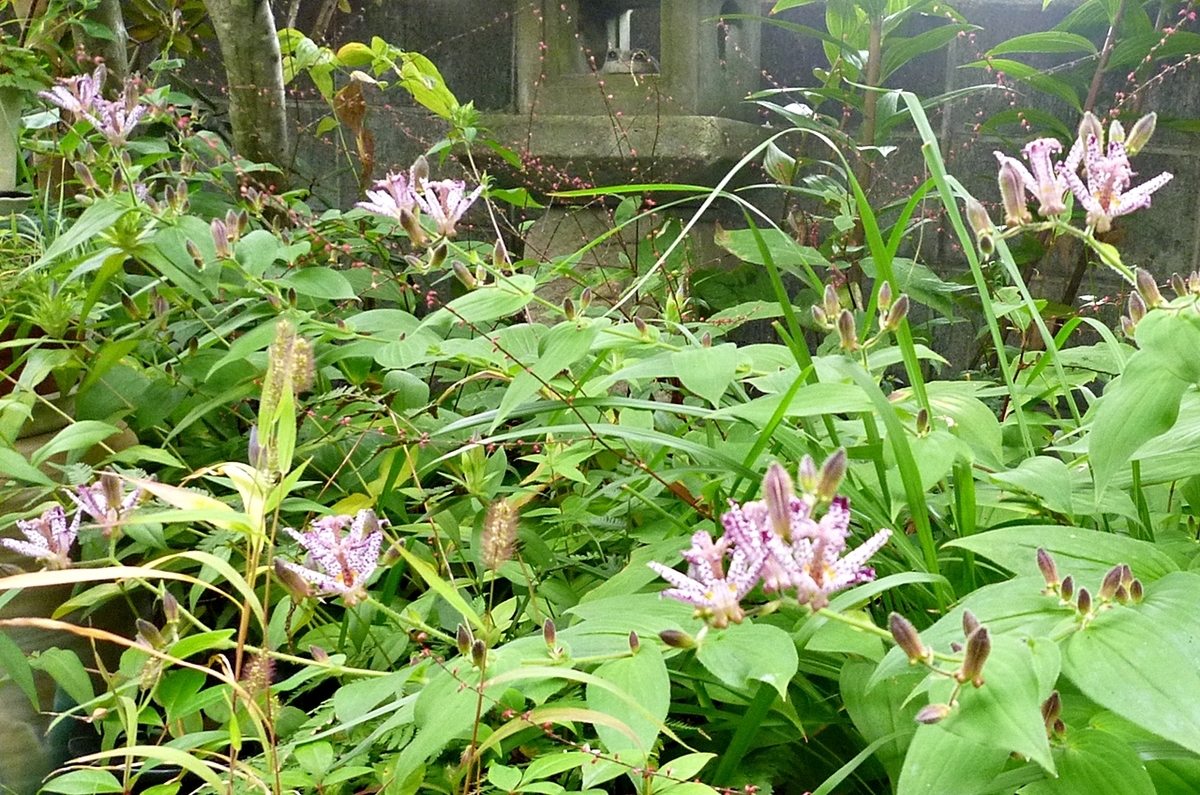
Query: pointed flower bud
x,y
1108,588
978,218
907,638
979,646
170,608
568,308
437,258
778,491
1137,308
808,476
1066,589
220,236
1089,125
706,340
933,713
1012,193
885,296
460,270
1178,285
319,654
500,255
149,635
969,623
819,317
896,314
1051,709
1140,133
1122,595
830,301
85,176
1048,568
1136,592
463,640
413,227
585,299
634,642
847,332
297,587
1148,287
419,172
549,633
832,473
1084,601
677,639
922,422
1116,133
478,653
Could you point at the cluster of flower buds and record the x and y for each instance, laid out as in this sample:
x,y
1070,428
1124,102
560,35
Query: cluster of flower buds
x,y
406,197
830,315
1119,586
777,543
1051,715
970,669
225,232
1104,190
1146,297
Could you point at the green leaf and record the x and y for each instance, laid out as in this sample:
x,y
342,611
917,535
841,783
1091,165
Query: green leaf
x,y
257,251
68,672
1033,77
564,344
707,371
77,437
748,652
1173,602
84,782
14,663
320,282
1045,477
643,678
1085,554
940,763
91,222
487,303
882,711
1047,41
1124,661
1093,762
1006,712
14,465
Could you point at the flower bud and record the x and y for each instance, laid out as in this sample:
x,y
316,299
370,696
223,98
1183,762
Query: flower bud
x,y
437,258
907,638
1012,193
819,317
478,653
549,633
830,301
922,422
1067,589
846,331
1139,134
460,270
641,326
1148,288
977,217
85,176
1108,588
1136,593
1089,126
1126,574
220,236
170,608
319,654
568,308
677,639
296,586
808,475
500,255
148,635
463,640
1137,308
778,491
1083,602
1128,327
419,172
832,473
1051,709
1178,285
585,299
1116,132
896,314
634,642
413,227
885,296
969,623
706,340
1122,595
979,646
1048,568
933,713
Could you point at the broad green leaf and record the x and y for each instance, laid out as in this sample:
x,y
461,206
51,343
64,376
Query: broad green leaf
x,y
97,218
77,437
1092,762
14,664
941,763
1085,554
883,711
486,303
14,465
87,781
1174,601
1045,477
1006,712
1047,41
320,282
65,667
160,753
707,371
643,678
564,344
444,589
257,251
1033,77
1124,660
748,652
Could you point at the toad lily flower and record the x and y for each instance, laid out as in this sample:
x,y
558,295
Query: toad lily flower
x,y
1107,194
49,538
1040,179
106,503
777,542
393,197
446,201
344,562
83,98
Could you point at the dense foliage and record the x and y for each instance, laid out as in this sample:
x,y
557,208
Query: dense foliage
x,y
339,501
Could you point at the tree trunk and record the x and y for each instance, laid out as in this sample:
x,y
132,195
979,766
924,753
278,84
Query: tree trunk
x,y
254,72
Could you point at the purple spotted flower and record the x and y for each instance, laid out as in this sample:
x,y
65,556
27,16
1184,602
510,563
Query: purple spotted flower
x,y
340,562
49,538
78,95
83,98
445,201
106,502
1040,179
1107,193
392,197
777,542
